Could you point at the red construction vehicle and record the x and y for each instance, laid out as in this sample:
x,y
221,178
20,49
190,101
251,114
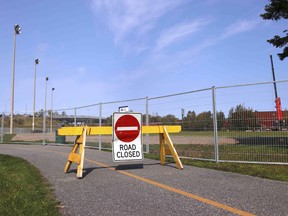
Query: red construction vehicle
x,y
279,122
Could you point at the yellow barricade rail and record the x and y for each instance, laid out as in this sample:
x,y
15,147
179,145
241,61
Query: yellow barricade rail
x,y
75,131
78,151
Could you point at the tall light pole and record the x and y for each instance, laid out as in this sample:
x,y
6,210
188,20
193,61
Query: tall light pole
x,y
44,113
17,31
6,104
51,112
33,120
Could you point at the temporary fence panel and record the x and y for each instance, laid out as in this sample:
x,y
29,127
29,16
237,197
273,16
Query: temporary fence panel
x,y
228,123
193,111
250,132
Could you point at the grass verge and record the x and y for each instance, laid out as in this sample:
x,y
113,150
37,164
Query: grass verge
x,y
23,190
8,137
273,172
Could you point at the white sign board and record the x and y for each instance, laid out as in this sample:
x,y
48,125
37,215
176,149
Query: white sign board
x,y
127,136
123,109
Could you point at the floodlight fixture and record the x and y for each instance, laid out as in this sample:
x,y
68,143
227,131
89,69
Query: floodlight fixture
x,y
17,29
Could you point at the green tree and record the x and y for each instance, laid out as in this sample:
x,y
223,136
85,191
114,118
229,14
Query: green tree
x,y
188,122
276,10
220,120
204,121
39,113
108,121
155,119
169,119
242,118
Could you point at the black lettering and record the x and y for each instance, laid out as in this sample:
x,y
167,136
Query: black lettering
x,y
118,154
127,154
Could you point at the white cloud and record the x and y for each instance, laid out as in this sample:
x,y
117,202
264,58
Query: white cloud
x,y
179,32
232,30
240,27
132,19
161,61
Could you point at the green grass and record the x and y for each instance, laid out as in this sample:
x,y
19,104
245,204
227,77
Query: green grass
x,y
8,137
233,133
236,153
23,190
229,152
273,172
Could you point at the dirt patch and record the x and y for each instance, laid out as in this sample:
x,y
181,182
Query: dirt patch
x,y
32,137
193,140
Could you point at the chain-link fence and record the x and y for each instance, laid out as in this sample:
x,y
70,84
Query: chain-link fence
x,y
237,123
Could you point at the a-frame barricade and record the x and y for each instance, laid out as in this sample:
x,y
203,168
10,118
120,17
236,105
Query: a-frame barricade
x,y
78,151
170,151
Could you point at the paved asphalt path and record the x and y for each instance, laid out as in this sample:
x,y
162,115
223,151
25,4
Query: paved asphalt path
x,y
108,188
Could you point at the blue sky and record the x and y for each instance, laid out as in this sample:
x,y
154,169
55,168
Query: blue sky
x,y
97,51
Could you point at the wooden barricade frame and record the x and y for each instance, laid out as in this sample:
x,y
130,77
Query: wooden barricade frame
x,y
78,151
79,146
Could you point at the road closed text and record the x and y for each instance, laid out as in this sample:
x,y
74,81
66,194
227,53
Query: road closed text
x,y
128,151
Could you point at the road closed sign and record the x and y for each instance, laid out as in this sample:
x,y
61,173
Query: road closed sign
x,y
127,136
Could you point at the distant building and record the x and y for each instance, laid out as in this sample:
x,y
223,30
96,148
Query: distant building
x,y
267,119
80,120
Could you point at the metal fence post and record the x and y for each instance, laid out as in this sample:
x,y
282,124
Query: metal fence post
x,y
75,118
147,124
2,127
215,125
100,125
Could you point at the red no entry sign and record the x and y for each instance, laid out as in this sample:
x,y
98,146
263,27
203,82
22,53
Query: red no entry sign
x,y
127,128
127,136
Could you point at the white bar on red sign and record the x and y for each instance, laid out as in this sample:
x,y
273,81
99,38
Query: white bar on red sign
x,y
132,128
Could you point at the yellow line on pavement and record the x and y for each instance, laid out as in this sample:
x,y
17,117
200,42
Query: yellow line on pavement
x,y
190,195
172,189
175,190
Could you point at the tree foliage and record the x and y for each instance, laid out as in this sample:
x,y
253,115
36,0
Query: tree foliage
x,y
192,122
276,10
220,120
242,118
204,121
169,119
48,112
188,122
